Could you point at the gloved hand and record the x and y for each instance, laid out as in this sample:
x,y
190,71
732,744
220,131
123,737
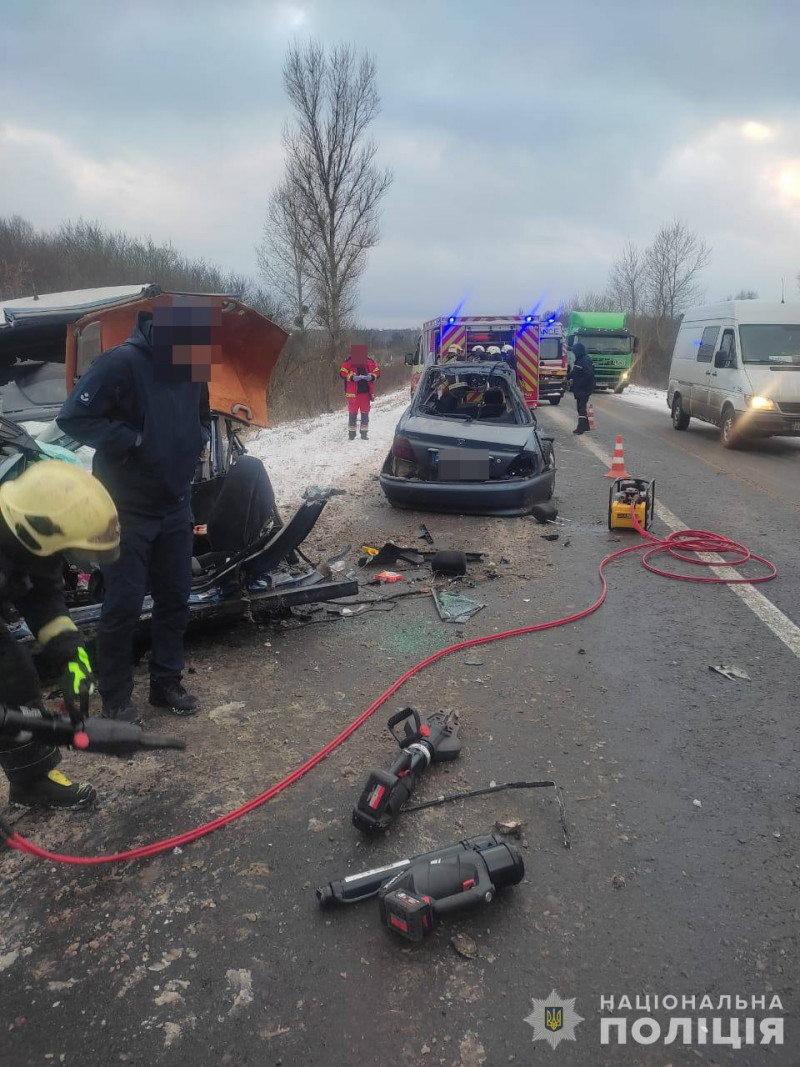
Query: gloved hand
x,y
368,378
78,684
358,377
65,655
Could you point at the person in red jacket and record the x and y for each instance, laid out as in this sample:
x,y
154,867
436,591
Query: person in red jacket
x,y
360,374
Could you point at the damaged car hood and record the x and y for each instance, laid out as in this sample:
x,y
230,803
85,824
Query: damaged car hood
x,y
251,346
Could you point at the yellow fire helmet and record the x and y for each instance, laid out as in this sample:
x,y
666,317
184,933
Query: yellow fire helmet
x,y
56,507
454,351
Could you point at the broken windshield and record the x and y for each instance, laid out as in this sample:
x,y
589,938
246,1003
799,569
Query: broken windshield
x,y
488,395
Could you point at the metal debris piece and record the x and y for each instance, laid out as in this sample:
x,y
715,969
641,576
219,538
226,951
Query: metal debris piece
x,y
424,533
464,946
509,827
731,672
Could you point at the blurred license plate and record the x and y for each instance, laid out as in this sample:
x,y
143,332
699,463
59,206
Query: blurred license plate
x,y
456,465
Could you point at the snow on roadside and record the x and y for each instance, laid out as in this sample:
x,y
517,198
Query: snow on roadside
x,y
317,452
645,397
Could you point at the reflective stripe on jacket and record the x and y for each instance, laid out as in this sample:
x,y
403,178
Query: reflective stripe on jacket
x,y
348,371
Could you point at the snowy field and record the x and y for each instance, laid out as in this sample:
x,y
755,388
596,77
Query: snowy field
x,y
645,397
316,451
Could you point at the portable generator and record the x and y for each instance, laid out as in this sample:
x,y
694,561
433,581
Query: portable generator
x,y
627,493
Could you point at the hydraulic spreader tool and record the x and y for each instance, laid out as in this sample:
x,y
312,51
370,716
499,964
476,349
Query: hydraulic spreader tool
x,y
414,893
437,740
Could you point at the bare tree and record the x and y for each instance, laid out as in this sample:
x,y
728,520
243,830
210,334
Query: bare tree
x,y
672,267
588,301
744,294
627,280
330,169
281,255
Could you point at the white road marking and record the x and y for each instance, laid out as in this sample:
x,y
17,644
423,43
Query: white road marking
x,y
772,617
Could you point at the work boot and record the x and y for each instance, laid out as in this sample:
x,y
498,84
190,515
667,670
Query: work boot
x,y
583,424
364,435
351,435
127,713
173,696
52,790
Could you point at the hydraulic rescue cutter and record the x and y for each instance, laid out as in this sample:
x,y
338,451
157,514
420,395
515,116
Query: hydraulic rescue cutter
x,y
437,740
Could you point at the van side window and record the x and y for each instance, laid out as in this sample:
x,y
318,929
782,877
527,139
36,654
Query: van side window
x,y
705,352
728,346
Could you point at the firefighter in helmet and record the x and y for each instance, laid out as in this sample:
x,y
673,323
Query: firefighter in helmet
x,y
52,511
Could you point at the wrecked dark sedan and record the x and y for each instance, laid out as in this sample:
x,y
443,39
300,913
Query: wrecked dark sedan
x,y
467,443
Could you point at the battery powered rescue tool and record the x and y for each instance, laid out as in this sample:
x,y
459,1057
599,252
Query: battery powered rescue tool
x,y
435,741
414,893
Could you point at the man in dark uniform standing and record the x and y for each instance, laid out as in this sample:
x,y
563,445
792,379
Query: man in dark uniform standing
x,y
581,376
143,407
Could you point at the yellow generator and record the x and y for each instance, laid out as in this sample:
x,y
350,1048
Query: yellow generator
x,y
631,492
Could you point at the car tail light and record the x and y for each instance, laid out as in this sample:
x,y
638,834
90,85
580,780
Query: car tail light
x,y
401,448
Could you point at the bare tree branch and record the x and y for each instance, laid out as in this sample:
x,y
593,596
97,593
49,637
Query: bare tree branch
x,y
672,266
331,177
627,280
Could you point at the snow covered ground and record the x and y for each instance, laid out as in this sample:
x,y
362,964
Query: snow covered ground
x,y
316,451
645,397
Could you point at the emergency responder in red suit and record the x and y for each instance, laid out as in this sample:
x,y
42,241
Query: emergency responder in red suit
x,y
360,374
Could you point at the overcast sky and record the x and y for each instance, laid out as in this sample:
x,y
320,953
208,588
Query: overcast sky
x,y
528,140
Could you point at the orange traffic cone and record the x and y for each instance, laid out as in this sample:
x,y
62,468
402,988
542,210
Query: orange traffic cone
x,y
618,462
590,415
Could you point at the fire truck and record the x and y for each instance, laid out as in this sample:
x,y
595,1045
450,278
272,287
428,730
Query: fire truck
x,y
522,332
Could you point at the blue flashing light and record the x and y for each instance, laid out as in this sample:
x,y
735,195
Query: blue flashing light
x,y
529,318
452,319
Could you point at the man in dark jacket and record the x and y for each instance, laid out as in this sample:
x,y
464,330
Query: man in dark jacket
x,y
143,407
581,376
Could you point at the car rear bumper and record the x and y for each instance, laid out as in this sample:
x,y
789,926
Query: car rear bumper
x,y
552,386
511,496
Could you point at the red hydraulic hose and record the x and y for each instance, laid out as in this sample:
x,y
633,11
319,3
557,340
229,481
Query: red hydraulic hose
x,y
676,545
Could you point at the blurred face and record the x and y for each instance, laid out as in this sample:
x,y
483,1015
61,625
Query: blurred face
x,y
187,339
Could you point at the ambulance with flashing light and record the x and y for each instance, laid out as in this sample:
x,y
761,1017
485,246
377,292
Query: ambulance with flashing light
x,y
553,361
522,332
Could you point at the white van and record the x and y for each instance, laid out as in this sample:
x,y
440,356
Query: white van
x,y
737,365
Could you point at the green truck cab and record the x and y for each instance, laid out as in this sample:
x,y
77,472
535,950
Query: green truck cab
x,y
609,343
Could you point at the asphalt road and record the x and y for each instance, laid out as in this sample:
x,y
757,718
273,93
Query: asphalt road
x,y
681,788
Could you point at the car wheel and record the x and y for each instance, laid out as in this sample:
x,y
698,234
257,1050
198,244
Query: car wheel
x,y
680,419
554,400
729,435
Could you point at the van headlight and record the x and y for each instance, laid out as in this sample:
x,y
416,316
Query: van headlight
x,y
762,403
624,376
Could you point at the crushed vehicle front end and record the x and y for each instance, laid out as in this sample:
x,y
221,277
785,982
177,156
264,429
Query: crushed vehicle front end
x,y
468,444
